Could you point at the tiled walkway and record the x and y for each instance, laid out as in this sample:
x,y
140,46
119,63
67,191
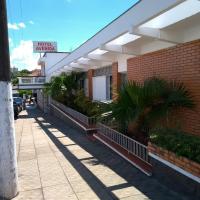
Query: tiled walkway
x,y
57,162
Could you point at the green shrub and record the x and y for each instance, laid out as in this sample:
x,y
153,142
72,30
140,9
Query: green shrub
x,y
84,105
65,89
181,143
26,92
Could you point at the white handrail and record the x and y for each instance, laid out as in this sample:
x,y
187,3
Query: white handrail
x,y
79,116
129,144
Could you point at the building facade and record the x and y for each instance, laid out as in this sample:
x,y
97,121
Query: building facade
x,y
152,38
161,38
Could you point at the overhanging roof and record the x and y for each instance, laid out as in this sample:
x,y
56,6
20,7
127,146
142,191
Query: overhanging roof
x,y
147,26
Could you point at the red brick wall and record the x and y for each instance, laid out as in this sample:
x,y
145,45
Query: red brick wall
x,y
90,87
115,80
181,62
182,162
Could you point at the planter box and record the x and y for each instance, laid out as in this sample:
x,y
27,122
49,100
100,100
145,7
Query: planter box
x,y
182,162
73,117
131,150
89,121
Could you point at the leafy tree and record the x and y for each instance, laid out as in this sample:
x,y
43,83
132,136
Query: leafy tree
x,y
24,72
26,92
14,81
66,89
55,88
14,76
63,88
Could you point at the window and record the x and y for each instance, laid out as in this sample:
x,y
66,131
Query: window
x,y
108,87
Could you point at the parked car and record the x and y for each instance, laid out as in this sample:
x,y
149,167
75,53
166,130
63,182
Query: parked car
x,y
20,102
16,109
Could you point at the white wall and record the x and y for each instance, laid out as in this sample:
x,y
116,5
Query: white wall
x,y
193,32
155,45
122,62
99,88
51,62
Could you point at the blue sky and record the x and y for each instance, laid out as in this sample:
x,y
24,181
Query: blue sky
x,y
69,22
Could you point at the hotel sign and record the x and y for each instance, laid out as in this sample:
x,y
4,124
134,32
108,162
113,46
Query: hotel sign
x,y
42,46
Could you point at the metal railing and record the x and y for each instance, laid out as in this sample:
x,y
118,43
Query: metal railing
x,y
39,79
26,80
90,121
137,149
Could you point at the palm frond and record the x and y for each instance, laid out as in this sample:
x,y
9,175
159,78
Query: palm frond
x,y
154,100
179,96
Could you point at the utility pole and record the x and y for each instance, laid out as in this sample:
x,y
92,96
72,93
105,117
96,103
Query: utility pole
x,y
8,162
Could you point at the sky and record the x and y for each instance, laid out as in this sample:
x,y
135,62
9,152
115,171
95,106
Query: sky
x,y
68,22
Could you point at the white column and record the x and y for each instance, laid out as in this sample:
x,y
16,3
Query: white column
x,y
8,162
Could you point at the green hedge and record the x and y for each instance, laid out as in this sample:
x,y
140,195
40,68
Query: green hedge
x,y
87,107
180,143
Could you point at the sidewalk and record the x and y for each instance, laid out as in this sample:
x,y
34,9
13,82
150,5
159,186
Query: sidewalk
x,y
58,163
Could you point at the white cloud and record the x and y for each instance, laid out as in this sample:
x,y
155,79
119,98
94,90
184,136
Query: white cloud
x,y
31,22
23,57
16,26
21,25
13,26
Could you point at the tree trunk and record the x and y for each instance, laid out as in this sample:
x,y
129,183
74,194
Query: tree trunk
x,y
134,131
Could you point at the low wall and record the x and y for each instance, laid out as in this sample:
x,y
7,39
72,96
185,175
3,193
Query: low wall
x,y
63,117
182,162
131,150
42,101
178,173
71,121
89,122
135,161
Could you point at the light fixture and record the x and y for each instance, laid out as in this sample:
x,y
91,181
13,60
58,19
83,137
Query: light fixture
x,y
176,14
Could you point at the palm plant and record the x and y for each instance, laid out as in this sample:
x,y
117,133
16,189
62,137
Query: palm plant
x,y
70,82
140,106
54,88
47,88
63,88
